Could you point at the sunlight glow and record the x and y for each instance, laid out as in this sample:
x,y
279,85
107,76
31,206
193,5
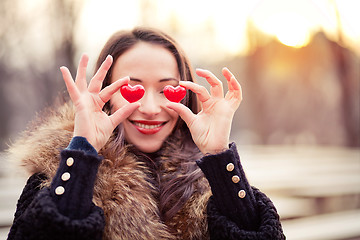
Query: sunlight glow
x,y
291,29
208,28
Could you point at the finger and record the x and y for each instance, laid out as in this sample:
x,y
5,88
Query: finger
x,y
122,113
80,80
233,84
228,75
70,84
96,82
184,112
216,89
236,92
108,91
234,95
200,91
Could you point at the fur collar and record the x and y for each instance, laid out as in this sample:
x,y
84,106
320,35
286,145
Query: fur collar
x,y
122,189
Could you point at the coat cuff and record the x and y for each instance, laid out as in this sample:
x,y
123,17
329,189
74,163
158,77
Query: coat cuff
x,y
72,186
231,190
269,228
81,143
42,219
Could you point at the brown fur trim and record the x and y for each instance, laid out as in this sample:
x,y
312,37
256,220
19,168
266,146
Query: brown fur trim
x,y
121,189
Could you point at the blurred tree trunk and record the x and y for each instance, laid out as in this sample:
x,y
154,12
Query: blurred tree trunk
x,y
349,82
349,86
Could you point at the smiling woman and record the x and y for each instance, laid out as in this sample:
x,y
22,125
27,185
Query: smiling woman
x,y
155,168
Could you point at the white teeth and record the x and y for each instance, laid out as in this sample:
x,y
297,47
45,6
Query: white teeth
x,y
147,126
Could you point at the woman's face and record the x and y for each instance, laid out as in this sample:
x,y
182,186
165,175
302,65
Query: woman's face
x,y
154,67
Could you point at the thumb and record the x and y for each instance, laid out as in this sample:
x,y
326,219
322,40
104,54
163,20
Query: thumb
x,y
122,113
184,112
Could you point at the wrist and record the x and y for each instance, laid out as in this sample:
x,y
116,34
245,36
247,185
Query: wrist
x,y
211,151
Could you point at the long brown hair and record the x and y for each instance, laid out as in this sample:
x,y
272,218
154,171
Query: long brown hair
x,y
176,188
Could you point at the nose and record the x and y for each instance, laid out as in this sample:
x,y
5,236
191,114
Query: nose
x,y
150,104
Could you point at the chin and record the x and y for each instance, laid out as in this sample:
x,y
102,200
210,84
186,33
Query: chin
x,y
148,149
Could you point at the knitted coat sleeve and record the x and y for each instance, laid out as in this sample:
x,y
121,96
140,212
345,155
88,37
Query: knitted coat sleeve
x,y
236,210
37,217
46,214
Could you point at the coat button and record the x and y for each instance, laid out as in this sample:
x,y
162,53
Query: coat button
x,y
241,194
70,161
235,179
65,176
230,167
59,190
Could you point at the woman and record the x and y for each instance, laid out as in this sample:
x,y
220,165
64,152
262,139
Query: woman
x,y
150,169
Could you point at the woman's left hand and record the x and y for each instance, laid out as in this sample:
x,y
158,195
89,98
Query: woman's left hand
x,y
210,128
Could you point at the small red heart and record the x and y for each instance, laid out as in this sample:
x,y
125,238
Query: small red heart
x,y
132,93
174,94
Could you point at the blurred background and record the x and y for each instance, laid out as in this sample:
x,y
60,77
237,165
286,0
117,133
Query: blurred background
x,y
298,61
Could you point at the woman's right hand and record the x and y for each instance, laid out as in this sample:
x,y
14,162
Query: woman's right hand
x,y
91,121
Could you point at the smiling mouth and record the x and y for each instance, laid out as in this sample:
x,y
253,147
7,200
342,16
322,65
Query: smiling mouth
x,y
148,127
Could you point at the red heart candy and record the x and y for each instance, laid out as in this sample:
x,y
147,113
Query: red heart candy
x,y
132,93
174,94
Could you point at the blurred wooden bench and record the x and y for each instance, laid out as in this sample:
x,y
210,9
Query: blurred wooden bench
x,y
334,226
11,185
316,190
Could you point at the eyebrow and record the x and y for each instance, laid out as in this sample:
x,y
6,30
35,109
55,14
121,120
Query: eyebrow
x,y
161,80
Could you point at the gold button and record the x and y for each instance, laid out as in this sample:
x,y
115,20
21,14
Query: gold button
x,y
241,194
230,167
65,176
70,161
235,179
59,190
